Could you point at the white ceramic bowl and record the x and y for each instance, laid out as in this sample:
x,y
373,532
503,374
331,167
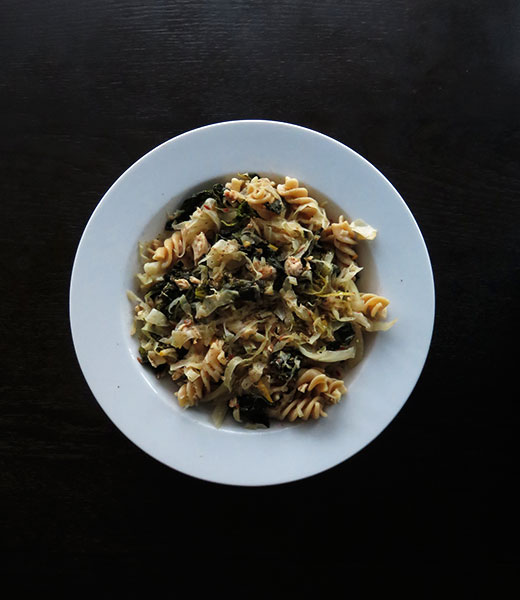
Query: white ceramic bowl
x,y
396,265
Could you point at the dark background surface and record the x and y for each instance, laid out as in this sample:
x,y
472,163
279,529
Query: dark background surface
x,y
427,91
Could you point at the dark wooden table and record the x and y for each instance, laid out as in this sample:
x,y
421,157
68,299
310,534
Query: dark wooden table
x,y
428,91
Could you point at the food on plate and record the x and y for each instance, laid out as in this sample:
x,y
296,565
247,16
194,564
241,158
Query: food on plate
x,y
249,301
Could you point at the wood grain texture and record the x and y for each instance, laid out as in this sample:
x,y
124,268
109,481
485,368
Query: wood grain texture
x,y
428,91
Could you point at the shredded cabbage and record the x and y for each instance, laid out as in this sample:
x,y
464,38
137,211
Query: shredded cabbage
x,y
329,356
215,301
363,230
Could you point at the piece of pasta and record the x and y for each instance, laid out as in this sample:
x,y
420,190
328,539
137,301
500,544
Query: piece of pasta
x,y
163,257
168,254
315,381
232,191
335,390
374,306
299,408
262,196
314,391
199,383
312,380
305,209
343,238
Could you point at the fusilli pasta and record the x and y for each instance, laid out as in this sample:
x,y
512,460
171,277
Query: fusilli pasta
x,y
305,209
314,391
199,384
340,234
300,408
262,196
374,305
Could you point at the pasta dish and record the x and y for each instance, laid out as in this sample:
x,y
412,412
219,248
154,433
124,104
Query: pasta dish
x,y
249,301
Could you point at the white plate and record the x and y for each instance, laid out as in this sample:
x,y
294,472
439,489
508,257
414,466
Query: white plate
x,y
396,264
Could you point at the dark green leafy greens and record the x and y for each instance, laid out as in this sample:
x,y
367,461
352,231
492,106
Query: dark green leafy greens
x,y
173,301
276,206
315,248
285,364
241,217
256,247
247,289
252,409
342,337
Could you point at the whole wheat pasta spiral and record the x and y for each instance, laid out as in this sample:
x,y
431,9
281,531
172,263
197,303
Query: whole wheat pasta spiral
x,y
304,208
340,234
374,305
299,408
261,195
210,371
170,252
163,258
187,244
336,389
316,382
313,380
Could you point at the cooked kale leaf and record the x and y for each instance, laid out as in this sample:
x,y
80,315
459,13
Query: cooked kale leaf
x,y
285,365
315,248
242,215
165,291
252,409
168,296
144,356
248,290
276,206
342,337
